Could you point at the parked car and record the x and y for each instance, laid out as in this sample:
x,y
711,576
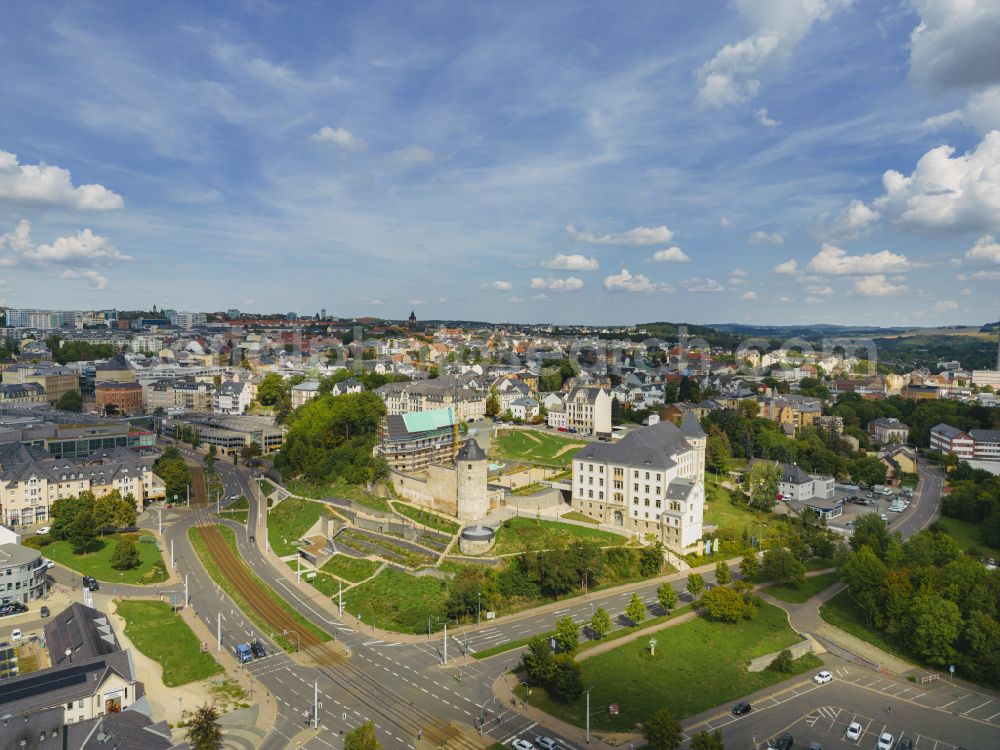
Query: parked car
x,y
884,517
784,742
243,653
43,530
89,582
822,678
884,742
520,744
257,648
43,612
546,743
815,746
741,708
905,743
15,634
853,732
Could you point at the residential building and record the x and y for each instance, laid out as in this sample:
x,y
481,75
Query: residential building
x,y
18,393
987,444
304,391
425,395
351,385
55,379
232,397
947,439
898,460
118,398
22,574
44,319
885,430
411,442
588,410
524,408
796,485
651,481
556,418
189,320
192,395
31,480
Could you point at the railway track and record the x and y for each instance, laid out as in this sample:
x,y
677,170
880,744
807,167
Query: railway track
x,y
380,699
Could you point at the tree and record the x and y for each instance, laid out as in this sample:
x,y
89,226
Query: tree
x,y
666,596
722,574
250,452
695,584
717,451
566,684
762,482
651,560
662,731
724,604
937,623
65,510
749,408
865,577
70,401
271,388
538,661
362,738
636,610
600,622
706,740
204,732
125,555
492,403
781,567
868,471
567,635
870,531
82,532
749,565
782,662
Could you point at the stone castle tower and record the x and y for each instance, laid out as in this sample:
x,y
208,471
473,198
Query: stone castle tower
x,y
471,469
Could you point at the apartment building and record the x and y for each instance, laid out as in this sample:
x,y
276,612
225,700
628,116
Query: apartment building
x,y
412,442
232,397
420,395
22,574
17,393
947,439
55,379
31,480
886,430
303,392
797,485
189,320
651,481
588,410
987,444
118,398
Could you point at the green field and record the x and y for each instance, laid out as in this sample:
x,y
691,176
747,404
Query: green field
x,y
201,549
577,516
720,510
532,488
532,446
523,534
398,602
239,516
160,633
698,665
966,533
338,489
841,611
97,562
426,518
350,568
289,520
807,590
240,503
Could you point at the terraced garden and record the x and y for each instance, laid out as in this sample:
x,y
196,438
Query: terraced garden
x,y
367,543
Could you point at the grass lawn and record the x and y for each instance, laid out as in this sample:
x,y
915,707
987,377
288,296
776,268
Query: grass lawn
x,y
160,633
235,515
240,503
289,520
699,664
532,488
807,590
536,447
574,515
720,511
398,602
966,533
338,489
426,518
350,568
97,562
266,487
201,549
841,611
520,534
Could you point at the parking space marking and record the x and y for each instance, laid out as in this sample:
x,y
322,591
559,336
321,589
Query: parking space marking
x,y
954,701
966,713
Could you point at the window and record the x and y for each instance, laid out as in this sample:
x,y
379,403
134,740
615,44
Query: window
x,y
647,489
590,494
635,487
647,475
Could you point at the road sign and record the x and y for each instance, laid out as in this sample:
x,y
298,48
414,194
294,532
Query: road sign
x,y
952,669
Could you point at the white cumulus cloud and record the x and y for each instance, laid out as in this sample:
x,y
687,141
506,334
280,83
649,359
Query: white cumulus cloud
x,y
671,255
852,221
571,263
413,156
46,185
498,286
946,305
639,236
569,284
946,193
81,249
789,268
338,136
94,279
761,237
877,285
836,262
985,248
725,221
955,44
732,76
624,281
749,295
764,119
702,286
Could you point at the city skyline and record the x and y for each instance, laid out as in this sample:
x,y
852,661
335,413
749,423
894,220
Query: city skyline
x,y
786,162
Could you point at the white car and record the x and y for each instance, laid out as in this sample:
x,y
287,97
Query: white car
x,y
520,744
15,634
48,563
884,742
886,491
822,678
884,517
853,731
43,530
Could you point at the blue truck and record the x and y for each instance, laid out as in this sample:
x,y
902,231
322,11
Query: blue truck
x,y
243,652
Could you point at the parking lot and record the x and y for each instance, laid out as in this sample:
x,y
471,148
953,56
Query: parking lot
x,y
828,726
852,511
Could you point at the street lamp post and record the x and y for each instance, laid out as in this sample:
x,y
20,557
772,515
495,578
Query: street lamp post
x,y
444,660
479,608
587,733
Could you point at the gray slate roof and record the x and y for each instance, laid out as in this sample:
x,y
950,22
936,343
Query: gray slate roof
x,y
471,452
648,446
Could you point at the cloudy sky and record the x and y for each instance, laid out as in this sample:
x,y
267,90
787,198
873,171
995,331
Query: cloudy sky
x,y
760,161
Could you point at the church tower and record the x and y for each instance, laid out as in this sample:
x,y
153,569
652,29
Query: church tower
x,y
470,479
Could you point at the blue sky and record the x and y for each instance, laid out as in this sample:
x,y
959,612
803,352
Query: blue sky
x,y
759,161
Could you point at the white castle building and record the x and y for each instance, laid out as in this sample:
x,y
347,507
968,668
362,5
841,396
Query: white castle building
x,y
651,481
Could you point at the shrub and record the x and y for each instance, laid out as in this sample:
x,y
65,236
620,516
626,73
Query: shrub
x,y
782,662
